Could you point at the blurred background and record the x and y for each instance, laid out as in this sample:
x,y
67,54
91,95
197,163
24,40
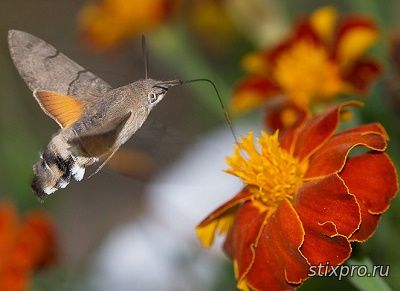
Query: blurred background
x,y
131,227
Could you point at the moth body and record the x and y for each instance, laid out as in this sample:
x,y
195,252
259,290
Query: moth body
x,y
94,119
130,99
57,166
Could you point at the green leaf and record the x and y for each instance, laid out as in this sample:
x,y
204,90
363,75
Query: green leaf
x,y
367,283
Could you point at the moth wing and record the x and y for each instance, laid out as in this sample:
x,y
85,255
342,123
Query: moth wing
x,y
65,110
100,142
43,67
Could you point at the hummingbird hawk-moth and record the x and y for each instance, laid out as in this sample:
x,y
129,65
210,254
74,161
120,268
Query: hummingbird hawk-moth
x,y
94,118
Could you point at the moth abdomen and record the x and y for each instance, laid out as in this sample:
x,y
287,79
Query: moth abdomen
x,y
54,171
37,188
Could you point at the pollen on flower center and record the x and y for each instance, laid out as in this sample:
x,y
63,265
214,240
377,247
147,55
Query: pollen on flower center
x,y
305,71
271,173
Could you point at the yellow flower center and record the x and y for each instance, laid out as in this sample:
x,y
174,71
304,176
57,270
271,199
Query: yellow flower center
x,y
270,172
306,72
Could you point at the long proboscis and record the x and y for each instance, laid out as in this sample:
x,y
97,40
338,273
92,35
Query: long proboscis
x,y
221,102
180,82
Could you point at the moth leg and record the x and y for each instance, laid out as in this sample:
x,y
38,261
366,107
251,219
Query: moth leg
x,y
78,170
104,162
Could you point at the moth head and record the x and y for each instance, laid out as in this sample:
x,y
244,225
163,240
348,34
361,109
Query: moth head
x,y
158,91
156,94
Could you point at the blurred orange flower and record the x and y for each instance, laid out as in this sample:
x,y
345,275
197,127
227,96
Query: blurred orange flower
x,y
319,61
25,246
305,199
109,22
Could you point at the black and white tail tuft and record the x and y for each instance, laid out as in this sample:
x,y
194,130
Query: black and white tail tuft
x,y
53,172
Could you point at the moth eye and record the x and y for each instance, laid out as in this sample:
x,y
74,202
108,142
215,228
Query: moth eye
x,y
153,97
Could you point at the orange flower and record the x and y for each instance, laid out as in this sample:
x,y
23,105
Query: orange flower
x,y
320,60
305,199
107,23
110,23
24,247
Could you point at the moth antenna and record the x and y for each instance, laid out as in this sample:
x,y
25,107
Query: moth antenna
x,y
226,114
145,57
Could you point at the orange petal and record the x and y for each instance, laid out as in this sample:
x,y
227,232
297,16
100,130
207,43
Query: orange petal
x,y
289,134
329,214
12,279
275,52
372,179
108,23
360,74
285,116
325,205
355,36
278,263
253,92
255,63
319,248
368,224
8,229
19,255
303,32
323,21
318,130
207,229
258,250
37,236
243,235
330,158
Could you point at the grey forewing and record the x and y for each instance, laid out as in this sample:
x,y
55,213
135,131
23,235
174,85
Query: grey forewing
x,y
43,67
